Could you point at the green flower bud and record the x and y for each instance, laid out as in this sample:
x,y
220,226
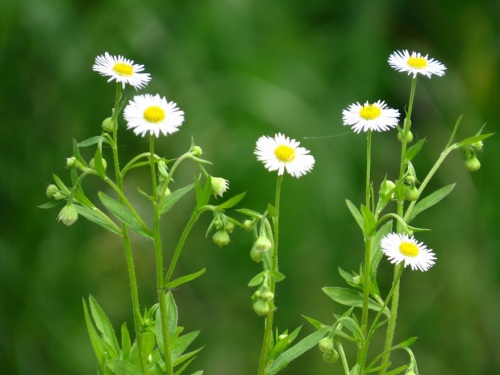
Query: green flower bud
x,y
409,136
261,307
386,187
410,179
108,125
263,244
255,254
217,222
411,193
472,164
92,163
248,224
331,357
51,191
221,238
72,162
219,186
326,344
196,151
229,227
478,145
68,215
267,295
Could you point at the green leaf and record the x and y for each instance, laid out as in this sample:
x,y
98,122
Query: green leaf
x,y
295,351
282,344
430,201
271,210
124,215
355,370
126,344
60,184
185,357
184,279
316,323
369,222
98,217
95,339
121,367
355,213
257,279
50,204
104,325
98,163
148,343
276,276
167,203
347,277
414,150
92,141
349,297
76,153
203,194
231,202
182,343
172,314
474,139
407,342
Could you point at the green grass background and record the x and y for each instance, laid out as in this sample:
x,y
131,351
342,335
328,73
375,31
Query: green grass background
x,y
241,69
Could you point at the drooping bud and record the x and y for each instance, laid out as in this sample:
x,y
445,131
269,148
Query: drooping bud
x,y
478,145
221,238
108,125
263,244
68,215
248,224
196,151
386,187
229,227
92,163
331,357
326,344
261,307
409,136
255,254
51,191
472,164
411,193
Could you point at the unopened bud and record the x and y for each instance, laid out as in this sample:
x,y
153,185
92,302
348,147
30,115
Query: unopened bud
x,y
196,151
331,357
326,344
411,193
68,215
221,238
255,254
92,163
478,145
108,125
409,136
263,244
51,191
261,307
248,224
472,164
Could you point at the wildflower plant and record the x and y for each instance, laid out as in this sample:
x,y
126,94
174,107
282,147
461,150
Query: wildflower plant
x,y
159,345
388,233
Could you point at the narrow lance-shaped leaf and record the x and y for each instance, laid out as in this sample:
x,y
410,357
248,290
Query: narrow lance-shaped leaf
x,y
430,201
369,222
355,213
95,339
121,367
98,217
184,279
99,163
414,150
124,215
167,203
104,325
349,297
203,194
231,202
474,139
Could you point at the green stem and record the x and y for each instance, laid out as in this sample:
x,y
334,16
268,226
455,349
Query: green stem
x,y
125,236
391,326
159,262
268,331
368,167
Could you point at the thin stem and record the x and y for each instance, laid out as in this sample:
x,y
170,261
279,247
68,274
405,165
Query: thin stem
x,y
268,331
391,326
159,262
368,167
125,236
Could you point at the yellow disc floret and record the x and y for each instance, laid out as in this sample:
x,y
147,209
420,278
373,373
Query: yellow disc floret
x,y
123,69
417,62
408,249
154,114
370,112
284,153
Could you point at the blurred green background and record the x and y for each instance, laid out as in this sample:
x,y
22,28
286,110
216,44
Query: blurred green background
x,y
241,69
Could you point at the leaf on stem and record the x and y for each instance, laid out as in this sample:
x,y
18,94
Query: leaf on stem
x,y
95,339
414,150
104,326
98,217
203,194
430,201
184,279
369,222
355,213
167,203
295,351
349,297
474,139
121,367
124,215
231,202
98,163
92,141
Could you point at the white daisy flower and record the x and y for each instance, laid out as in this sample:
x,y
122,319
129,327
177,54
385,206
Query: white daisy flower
x,y
415,64
401,247
153,114
376,116
121,70
282,153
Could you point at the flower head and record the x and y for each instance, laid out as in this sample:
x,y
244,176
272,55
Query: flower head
x,y
121,70
376,116
401,247
415,63
219,186
148,113
282,153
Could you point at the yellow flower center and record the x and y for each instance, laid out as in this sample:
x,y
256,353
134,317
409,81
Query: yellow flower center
x,y
284,153
154,114
417,62
370,112
408,249
123,69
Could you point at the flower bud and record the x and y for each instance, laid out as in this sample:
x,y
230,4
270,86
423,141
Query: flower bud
x,y
51,191
263,244
196,151
411,193
248,224
108,125
92,163
386,187
478,145
219,186
472,164
229,227
68,215
255,254
409,136
267,295
410,179
331,357
261,307
326,344
221,238
72,162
